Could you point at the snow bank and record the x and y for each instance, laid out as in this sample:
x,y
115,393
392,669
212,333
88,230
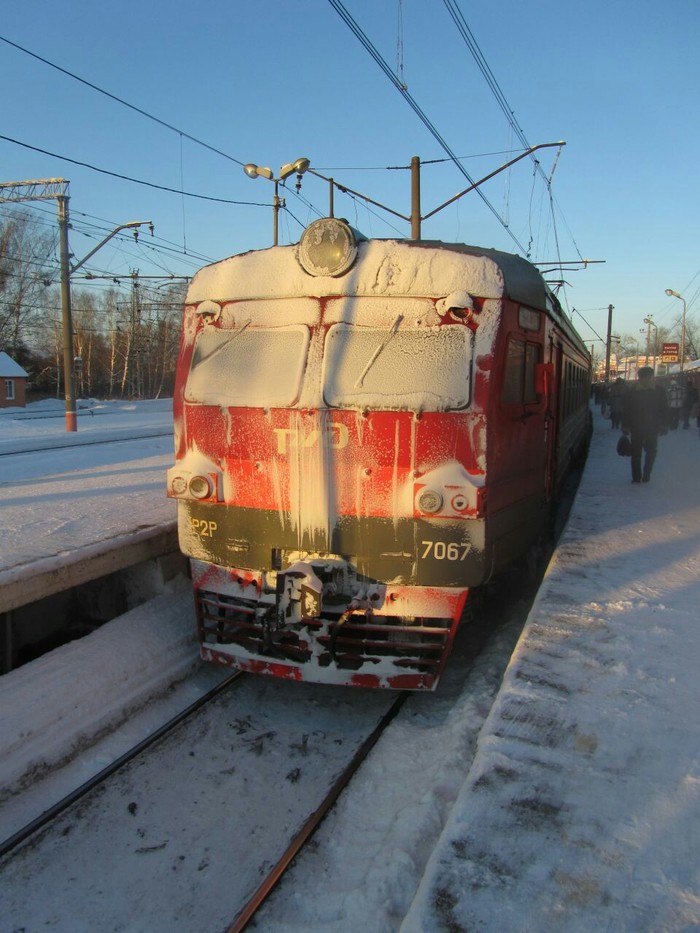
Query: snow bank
x,y
582,808
54,707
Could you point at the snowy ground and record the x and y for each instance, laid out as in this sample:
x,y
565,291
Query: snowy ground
x,y
581,810
59,495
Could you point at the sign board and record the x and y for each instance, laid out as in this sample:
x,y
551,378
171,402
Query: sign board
x,y
669,353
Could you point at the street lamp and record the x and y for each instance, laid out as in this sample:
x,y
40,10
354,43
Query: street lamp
x,y
649,322
258,171
670,292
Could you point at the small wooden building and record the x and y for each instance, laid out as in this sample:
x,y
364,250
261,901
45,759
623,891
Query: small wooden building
x,y
13,383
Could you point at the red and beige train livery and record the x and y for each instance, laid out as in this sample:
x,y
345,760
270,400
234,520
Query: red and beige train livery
x,y
366,432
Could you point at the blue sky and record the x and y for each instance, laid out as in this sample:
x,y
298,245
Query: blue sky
x,y
619,81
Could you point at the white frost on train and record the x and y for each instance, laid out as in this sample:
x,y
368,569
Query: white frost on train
x,y
611,840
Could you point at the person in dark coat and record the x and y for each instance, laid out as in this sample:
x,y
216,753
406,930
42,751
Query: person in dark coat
x,y
690,400
644,416
675,393
616,400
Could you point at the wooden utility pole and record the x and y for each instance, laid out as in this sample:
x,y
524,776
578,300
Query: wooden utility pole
x,y
415,198
71,416
44,189
607,344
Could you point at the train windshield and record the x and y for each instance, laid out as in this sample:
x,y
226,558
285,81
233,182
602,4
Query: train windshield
x,y
425,369
248,366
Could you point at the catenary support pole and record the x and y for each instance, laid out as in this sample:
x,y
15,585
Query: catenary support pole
x,y
71,417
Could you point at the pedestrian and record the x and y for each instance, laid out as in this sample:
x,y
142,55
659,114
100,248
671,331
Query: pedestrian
x,y
616,401
644,417
690,400
676,395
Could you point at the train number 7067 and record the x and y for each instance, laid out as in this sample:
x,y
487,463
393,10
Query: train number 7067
x,y
442,550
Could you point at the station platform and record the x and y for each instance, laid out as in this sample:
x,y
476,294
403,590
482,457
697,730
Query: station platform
x,y
78,508
582,808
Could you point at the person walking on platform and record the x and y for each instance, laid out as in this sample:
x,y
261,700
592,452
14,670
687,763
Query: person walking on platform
x,y
689,402
616,401
644,417
676,393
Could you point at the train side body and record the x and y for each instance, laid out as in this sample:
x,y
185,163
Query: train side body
x,y
356,454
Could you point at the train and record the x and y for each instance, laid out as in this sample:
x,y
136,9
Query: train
x,y
367,432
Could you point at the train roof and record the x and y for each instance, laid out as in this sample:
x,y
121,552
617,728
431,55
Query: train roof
x,y
383,267
522,282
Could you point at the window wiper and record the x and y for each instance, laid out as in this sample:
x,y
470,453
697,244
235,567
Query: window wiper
x,y
392,331
221,346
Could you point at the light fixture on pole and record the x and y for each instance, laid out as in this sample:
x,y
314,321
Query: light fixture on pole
x,y
670,292
650,323
297,167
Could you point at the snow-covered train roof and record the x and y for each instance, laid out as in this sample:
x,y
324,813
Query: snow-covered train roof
x,y
421,268
383,267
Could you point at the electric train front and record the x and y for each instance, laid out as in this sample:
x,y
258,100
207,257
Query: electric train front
x,y
329,468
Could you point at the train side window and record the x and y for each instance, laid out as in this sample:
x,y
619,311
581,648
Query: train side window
x,y
515,368
528,319
519,383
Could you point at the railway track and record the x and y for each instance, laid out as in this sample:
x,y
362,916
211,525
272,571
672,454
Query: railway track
x,y
61,806
258,760
39,446
304,835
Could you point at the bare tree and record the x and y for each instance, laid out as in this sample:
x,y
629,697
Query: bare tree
x,y
26,251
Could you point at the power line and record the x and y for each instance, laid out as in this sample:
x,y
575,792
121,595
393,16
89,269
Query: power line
x,y
473,46
360,34
136,181
94,231
119,100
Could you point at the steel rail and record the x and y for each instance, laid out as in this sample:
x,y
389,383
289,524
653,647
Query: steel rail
x,y
312,822
87,442
60,806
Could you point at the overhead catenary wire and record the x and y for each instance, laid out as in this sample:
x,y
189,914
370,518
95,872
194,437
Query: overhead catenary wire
x,y
471,42
135,181
403,90
120,100
93,227
182,134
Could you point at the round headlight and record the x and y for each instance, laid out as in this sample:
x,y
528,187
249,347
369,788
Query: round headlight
x,y
200,487
327,247
179,485
430,501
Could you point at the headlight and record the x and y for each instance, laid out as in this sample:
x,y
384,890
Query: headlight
x,y
327,247
179,485
430,501
201,487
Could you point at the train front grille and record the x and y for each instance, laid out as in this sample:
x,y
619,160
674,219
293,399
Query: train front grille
x,y
350,644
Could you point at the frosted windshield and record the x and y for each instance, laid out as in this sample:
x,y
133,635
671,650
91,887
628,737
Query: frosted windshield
x,y
249,367
426,369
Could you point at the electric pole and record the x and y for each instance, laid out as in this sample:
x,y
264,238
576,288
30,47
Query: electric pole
x,y
45,189
607,344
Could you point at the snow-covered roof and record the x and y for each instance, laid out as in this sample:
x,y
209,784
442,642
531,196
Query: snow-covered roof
x,y
8,367
389,268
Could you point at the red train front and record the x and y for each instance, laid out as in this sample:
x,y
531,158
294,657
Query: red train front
x,y
365,432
